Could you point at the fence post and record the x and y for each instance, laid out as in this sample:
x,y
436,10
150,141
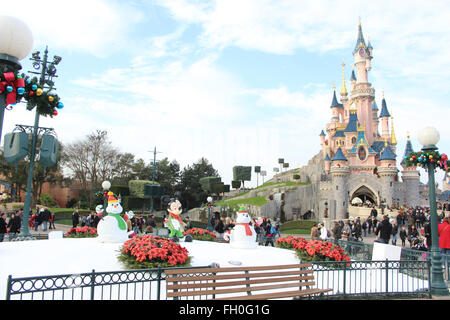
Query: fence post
x,y
8,288
345,278
92,284
387,275
158,292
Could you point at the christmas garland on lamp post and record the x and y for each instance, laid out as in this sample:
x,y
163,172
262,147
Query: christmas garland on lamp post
x,y
18,87
422,159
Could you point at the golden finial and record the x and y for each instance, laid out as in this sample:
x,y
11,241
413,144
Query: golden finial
x,y
407,135
343,89
385,142
334,85
393,139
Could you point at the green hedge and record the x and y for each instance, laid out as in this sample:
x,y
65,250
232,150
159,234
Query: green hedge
x,y
298,224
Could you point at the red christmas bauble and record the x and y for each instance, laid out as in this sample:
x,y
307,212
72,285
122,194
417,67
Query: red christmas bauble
x,y
55,113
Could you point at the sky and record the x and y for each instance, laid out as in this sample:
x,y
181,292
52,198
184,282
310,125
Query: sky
x,y
237,82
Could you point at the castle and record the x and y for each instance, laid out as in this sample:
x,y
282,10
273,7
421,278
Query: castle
x,y
359,147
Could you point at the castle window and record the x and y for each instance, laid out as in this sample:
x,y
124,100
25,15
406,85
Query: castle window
x,y
353,140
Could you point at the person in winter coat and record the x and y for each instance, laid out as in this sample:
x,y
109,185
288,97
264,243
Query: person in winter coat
x,y
3,226
337,231
412,235
14,223
394,232
52,221
444,237
427,233
220,228
315,232
323,232
75,218
403,235
384,230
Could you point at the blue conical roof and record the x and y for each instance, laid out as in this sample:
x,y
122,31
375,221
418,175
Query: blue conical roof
x,y
408,150
352,125
322,133
334,102
327,158
339,155
353,77
360,41
384,111
374,105
388,154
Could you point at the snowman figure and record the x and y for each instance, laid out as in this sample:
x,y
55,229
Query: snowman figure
x,y
112,228
243,236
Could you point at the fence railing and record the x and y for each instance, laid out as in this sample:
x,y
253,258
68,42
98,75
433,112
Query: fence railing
x,y
408,277
345,278
363,251
144,284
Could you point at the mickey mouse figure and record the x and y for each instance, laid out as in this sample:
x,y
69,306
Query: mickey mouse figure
x,y
174,222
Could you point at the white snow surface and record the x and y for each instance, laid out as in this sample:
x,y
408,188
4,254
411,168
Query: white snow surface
x,y
75,256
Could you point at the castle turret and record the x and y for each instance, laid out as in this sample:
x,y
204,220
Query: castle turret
x,y
384,116
362,93
375,121
340,172
387,172
322,142
337,109
327,163
410,178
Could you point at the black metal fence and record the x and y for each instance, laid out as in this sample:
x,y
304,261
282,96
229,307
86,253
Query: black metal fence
x,y
347,279
144,284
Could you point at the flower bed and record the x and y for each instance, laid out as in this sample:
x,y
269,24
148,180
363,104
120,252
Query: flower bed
x,y
142,252
82,232
313,250
201,234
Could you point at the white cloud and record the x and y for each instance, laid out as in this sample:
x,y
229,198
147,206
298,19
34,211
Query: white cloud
x,y
93,26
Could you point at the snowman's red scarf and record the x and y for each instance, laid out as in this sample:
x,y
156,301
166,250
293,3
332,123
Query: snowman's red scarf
x,y
248,231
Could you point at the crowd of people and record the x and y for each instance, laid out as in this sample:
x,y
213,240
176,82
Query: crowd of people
x,y
410,224
266,231
41,219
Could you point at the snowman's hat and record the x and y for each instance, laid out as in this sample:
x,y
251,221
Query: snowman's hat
x,y
242,210
111,198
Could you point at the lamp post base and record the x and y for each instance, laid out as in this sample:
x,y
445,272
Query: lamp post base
x,y
438,286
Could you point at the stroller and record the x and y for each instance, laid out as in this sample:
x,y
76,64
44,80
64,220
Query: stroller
x,y
418,244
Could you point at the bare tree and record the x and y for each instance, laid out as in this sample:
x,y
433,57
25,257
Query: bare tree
x,y
91,161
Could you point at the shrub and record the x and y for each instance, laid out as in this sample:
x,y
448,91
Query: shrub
x,y
82,232
46,200
142,252
201,234
313,250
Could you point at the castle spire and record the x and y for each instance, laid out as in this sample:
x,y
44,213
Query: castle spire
x,y
360,43
343,89
393,139
408,149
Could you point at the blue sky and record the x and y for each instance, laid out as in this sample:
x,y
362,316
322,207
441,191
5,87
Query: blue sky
x,y
237,82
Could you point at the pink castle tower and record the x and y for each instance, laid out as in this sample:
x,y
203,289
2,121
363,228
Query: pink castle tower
x,y
362,93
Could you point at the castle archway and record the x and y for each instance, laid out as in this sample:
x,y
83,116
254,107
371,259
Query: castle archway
x,y
365,194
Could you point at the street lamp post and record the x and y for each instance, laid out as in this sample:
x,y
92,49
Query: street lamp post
x,y
429,137
16,41
105,185
46,74
209,199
